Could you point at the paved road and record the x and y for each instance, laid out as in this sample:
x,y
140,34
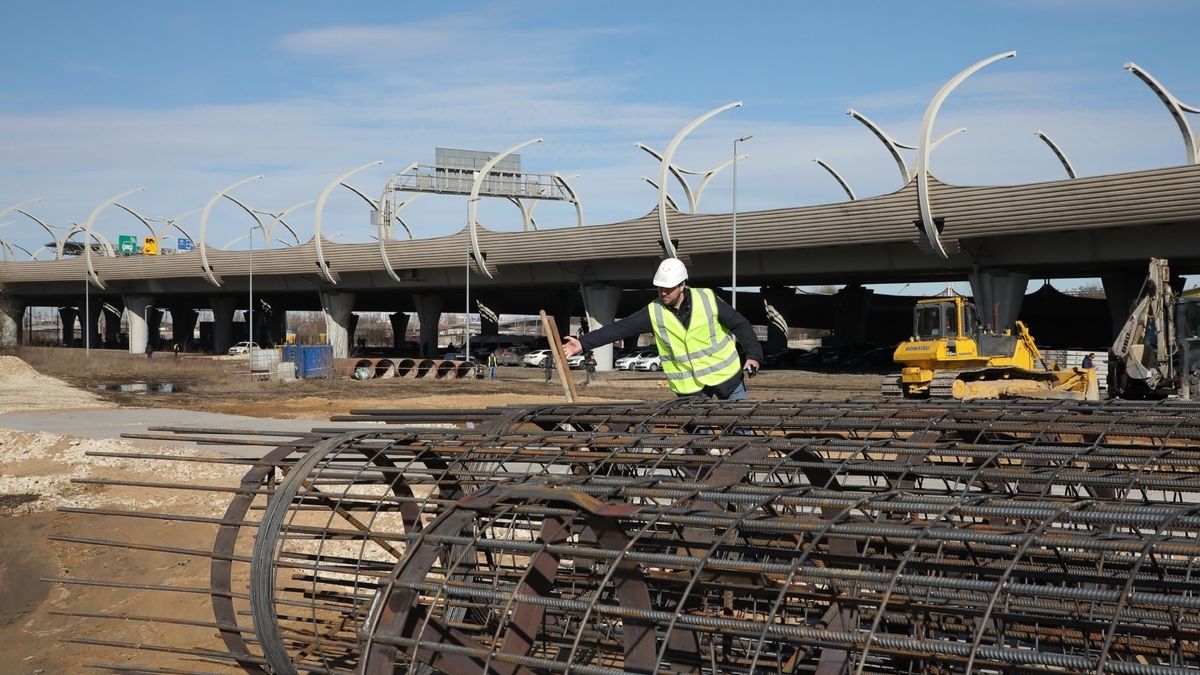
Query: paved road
x,y
112,423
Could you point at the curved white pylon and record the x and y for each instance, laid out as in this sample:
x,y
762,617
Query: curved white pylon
x,y
892,144
87,244
1058,153
678,174
174,223
385,230
278,220
58,241
562,181
17,207
670,199
106,247
527,220
837,176
665,166
321,264
473,204
709,176
925,145
1176,107
203,244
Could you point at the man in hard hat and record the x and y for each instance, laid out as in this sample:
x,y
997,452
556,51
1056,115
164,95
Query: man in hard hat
x,y
694,331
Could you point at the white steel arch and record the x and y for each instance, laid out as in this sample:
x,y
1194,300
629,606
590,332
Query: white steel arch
x,y
473,203
837,176
58,241
321,264
1057,153
87,245
562,181
893,146
1177,109
693,198
925,145
278,220
670,199
665,166
203,245
169,223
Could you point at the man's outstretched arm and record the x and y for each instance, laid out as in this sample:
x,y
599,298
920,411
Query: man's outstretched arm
x,y
631,326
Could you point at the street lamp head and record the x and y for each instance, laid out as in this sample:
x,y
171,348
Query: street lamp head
x,y
744,138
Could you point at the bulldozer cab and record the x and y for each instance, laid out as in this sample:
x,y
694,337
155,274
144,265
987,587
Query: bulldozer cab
x,y
944,318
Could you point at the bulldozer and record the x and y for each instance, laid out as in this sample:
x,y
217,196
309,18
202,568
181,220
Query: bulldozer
x,y
950,355
1157,352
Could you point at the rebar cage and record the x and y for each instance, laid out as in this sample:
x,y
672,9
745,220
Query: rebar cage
x,y
827,537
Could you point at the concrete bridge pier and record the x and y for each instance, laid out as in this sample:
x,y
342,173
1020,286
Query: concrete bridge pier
x,y
998,296
351,329
337,307
67,316
399,328
778,302
112,326
429,313
183,324
562,308
600,309
12,328
90,324
850,308
222,309
489,318
140,313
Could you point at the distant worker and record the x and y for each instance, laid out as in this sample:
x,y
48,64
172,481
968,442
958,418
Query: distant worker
x,y
694,331
175,348
492,363
589,366
548,365
1089,361
149,349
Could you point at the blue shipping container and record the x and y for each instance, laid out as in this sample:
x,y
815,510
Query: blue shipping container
x,y
310,360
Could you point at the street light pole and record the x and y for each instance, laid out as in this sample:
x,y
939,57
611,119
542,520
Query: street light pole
x,y
250,311
733,290
87,312
467,314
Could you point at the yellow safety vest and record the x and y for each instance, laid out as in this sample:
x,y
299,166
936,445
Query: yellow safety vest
x,y
699,355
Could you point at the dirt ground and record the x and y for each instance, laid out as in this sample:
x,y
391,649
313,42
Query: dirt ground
x,y
42,627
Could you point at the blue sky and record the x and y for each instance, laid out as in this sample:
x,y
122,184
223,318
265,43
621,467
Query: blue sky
x,y
184,99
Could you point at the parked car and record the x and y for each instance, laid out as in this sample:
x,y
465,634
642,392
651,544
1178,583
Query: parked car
x,y
534,359
511,356
650,361
241,348
626,362
575,362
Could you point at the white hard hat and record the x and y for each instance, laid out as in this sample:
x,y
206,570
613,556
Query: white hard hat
x,y
671,272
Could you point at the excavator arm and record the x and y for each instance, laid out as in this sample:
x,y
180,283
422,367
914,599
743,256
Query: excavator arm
x,y
1142,356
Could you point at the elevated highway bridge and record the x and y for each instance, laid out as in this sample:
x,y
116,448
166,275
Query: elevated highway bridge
x,y
998,237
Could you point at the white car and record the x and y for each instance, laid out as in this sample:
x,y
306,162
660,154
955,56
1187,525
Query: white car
x,y
241,348
536,358
575,362
648,362
626,362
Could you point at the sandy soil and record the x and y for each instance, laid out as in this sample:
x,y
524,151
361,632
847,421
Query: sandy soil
x,y
40,627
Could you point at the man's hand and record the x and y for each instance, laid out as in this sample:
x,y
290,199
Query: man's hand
x,y
571,346
750,367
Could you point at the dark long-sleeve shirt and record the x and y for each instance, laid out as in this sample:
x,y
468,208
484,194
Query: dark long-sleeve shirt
x,y
640,322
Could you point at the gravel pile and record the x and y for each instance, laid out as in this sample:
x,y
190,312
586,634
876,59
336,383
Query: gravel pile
x,y
24,389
